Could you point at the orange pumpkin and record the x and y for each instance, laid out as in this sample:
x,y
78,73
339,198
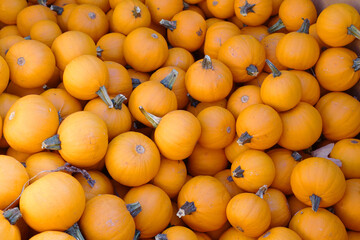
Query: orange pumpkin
x,y
225,177
352,235
55,235
10,10
253,12
7,42
200,200
176,233
313,32
20,156
258,32
45,31
279,207
175,220
119,79
280,233
8,219
310,89
103,4
270,43
63,19
295,204
258,80
220,9
14,89
233,233
234,149
4,74
110,48
9,30
179,57
163,9
195,106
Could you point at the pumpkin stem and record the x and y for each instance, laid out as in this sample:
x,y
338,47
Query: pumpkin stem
x,y
207,63
252,70
136,12
193,101
161,236
154,120
297,156
352,30
103,94
245,9
315,202
262,190
74,231
134,208
135,82
52,143
57,9
230,179
171,25
69,168
137,234
99,51
186,5
276,27
60,118
304,26
170,79
356,65
238,172
275,71
27,38
186,209
12,215
244,138
118,101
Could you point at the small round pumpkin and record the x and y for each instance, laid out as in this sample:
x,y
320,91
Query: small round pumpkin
x,y
163,9
54,235
4,74
176,233
225,177
253,12
234,149
279,207
310,88
110,48
179,57
8,219
45,31
280,233
10,10
270,43
233,233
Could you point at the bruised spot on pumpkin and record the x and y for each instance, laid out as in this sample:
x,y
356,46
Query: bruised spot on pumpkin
x,y
239,228
214,3
12,115
21,61
354,141
92,15
266,234
200,32
228,129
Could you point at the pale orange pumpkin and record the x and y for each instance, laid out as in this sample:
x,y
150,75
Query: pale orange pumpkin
x,y
253,12
110,48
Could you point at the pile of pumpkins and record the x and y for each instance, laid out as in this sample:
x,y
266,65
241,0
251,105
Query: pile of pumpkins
x,y
172,120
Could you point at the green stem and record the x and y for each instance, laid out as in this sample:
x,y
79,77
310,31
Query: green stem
x,y
315,202
252,70
99,51
103,94
207,63
275,71
154,120
27,38
136,12
186,209
52,143
161,236
245,9
137,234
297,156
134,208
305,26
75,232
276,27
238,172
170,79
244,138
262,190
135,82
12,215
193,101
352,30
57,9
118,101
230,179
356,65
171,25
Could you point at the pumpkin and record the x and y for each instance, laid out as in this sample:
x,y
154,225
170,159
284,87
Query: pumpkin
x,y
292,13
42,161
200,200
170,177
156,209
63,3
295,204
352,235
14,176
314,188
234,149
249,213
143,44
186,29
110,48
14,89
72,44
347,111
258,32
9,30
206,161
258,80
270,43
317,225
338,24
137,77
63,19
179,57
244,55
217,34
203,6
107,217
10,10
28,122
176,233
175,220
347,208
212,20
81,139
7,42
280,233
4,74
8,229
220,9
119,189
233,233
163,9
54,202
45,31
279,207
132,159
298,50
205,78
20,156
253,169
259,127
348,152
103,4
313,32
310,89
26,60
195,106
89,19
284,161
302,127
338,69
225,177
119,79
202,236
55,235
253,12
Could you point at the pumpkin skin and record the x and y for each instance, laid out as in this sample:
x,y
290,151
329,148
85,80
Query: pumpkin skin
x,y
253,169
310,89
187,30
111,48
232,233
179,57
217,34
195,107
119,79
347,111
209,197
21,92
156,209
259,127
55,235
279,207
45,207
270,43
333,23
295,204
26,60
8,31
302,127
63,19
103,4
202,236
8,219
153,45
249,214
21,125
208,80
221,9
129,15
258,80
163,9
348,152
244,55
280,233
226,179
45,31
4,74
178,233
347,208
72,44
102,210
306,181
7,42
131,155
14,176
10,10
175,220
258,32
253,12
352,235
234,149
317,225
337,69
